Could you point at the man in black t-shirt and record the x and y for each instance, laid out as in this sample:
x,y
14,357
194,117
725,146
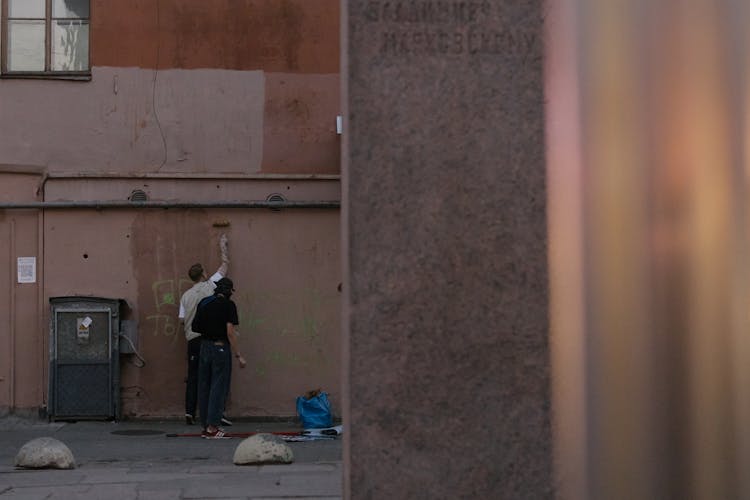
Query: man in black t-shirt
x,y
216,319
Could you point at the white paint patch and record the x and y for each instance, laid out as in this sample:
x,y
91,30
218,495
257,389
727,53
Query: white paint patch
x,y
136,120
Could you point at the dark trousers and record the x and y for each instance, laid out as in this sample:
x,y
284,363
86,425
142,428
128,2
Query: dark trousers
x,y
191,389
213,381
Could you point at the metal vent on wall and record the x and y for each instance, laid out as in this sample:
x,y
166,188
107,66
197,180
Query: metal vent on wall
x,y
275,197
138,195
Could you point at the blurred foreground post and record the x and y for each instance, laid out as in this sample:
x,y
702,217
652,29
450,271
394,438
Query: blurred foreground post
x,y
647,179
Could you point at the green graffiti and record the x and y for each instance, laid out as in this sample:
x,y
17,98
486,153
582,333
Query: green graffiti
x,y
278,361
310,330
293,359
163,325
163,293
167,292
249,322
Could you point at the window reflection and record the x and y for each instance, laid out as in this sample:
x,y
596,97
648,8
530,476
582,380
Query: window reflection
x,y
70,8
70,45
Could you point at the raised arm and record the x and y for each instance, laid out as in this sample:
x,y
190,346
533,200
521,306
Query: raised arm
x,y
224,247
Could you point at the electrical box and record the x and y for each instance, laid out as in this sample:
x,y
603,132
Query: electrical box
x,y
84,381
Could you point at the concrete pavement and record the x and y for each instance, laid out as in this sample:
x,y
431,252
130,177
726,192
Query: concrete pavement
x,y
136,460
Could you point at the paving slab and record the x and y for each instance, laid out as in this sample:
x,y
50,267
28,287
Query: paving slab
x,y
40,477
46,492
174,494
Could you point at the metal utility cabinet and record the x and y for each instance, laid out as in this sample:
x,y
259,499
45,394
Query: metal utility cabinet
x,y
84,380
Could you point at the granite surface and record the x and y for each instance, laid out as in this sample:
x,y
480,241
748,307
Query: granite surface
x,y
445,263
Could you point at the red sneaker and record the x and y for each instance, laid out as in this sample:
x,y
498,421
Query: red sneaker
x,y
216,434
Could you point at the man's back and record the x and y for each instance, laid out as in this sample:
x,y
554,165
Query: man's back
x,y
189,302
213,316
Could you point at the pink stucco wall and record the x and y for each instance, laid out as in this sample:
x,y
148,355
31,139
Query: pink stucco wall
x,y
285,266
187,103
22,351
204,120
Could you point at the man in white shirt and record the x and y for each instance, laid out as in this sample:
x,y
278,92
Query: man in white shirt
x,y
202,288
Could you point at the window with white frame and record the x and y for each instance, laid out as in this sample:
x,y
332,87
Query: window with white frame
x,y
45,38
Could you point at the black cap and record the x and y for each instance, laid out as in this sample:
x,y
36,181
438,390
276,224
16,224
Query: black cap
x,y
224,286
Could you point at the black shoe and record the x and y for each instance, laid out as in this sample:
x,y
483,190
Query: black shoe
x,y
189,420
226,421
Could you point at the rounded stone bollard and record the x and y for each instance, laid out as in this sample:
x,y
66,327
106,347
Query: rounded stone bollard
x,y
263,449
45,453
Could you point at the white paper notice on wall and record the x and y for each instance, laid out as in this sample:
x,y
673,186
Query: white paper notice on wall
x,y
26,269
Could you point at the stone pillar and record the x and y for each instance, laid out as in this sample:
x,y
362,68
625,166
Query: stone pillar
x,y
446,294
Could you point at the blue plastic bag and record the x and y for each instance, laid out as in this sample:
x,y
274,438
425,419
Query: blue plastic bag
x,y
315,413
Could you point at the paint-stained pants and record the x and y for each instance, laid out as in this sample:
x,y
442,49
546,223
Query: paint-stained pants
x,y
213,380
191,389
